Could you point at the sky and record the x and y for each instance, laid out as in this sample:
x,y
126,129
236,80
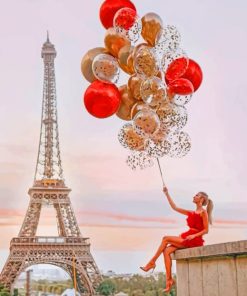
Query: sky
x,y
124,212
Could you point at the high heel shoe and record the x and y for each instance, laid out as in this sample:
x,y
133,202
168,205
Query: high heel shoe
x,y
150,265
169,285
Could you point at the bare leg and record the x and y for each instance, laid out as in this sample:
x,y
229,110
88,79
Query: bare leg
x,y
174,240
168,261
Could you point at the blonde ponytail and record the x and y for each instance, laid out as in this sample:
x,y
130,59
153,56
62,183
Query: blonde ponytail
x,y
210,205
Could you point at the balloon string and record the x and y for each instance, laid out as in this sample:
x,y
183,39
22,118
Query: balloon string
x,y
161,173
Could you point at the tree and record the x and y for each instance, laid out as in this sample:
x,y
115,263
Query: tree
x,y
4,292
107,287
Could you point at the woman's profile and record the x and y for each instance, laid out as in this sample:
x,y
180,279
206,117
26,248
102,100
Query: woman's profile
x,y
198,222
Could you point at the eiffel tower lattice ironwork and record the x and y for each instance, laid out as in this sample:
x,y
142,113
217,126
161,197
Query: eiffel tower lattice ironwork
x,y
69,250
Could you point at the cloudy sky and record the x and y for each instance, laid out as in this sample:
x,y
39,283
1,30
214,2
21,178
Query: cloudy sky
x,y
123,212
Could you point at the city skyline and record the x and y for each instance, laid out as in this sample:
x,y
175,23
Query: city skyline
x,y
110,200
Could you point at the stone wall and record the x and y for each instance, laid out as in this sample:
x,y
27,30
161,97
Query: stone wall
x,y
213,270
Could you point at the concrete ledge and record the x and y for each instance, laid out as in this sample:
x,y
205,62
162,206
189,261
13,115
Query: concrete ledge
x,y
212,270
225,249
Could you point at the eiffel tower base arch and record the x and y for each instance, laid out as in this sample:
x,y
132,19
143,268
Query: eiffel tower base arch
x,y
58,251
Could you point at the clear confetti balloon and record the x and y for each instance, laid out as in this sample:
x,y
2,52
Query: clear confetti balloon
x,y
105,68
173,117
139,160
126,22
160,135
139,106
181,100
180,144
146,62
146,122
174,64
128,138
153,91
158,149
168,39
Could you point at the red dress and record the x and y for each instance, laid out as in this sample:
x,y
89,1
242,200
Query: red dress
x,y
195,222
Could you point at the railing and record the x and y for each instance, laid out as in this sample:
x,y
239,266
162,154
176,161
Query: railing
x,y
50,240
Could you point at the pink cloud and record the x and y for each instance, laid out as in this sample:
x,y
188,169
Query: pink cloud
x,y
108,219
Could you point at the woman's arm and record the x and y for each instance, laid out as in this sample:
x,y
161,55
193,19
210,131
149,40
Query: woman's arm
x,y
172,204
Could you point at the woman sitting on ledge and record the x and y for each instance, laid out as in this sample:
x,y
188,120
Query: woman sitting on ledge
x,y
198,223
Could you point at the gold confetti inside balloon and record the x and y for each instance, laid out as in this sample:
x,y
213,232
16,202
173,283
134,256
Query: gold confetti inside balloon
x,y
168,39
114,41
139,160
160,135
138,47
153,91
173,117
87,61
151,25
158,149
146,63
138,106
125,59
134,86
105,68
146,122
130,139
180,144
127,102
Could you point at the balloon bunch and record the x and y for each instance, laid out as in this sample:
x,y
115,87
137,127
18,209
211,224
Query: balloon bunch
x,y
162,80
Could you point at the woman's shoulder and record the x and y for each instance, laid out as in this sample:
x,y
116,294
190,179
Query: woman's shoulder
x,y
190,212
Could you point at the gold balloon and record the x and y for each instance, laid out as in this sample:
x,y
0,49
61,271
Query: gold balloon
x,y
87,60
114,42
151,25
137,47
127,102
134,86
125,59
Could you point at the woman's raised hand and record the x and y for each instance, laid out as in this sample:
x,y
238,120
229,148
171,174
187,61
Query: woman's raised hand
x,y
165,190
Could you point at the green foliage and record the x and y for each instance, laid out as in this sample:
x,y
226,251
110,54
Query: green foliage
x,y
4,291
51,287
138,285
107,287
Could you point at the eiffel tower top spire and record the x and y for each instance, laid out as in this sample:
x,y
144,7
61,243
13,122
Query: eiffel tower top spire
x,y
49,166
47,39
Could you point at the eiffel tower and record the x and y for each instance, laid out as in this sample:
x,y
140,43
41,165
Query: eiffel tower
x,y
69,250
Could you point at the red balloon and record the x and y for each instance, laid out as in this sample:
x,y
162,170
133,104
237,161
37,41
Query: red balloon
x,y
181,86
102,99
176,69
109,8
194,74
